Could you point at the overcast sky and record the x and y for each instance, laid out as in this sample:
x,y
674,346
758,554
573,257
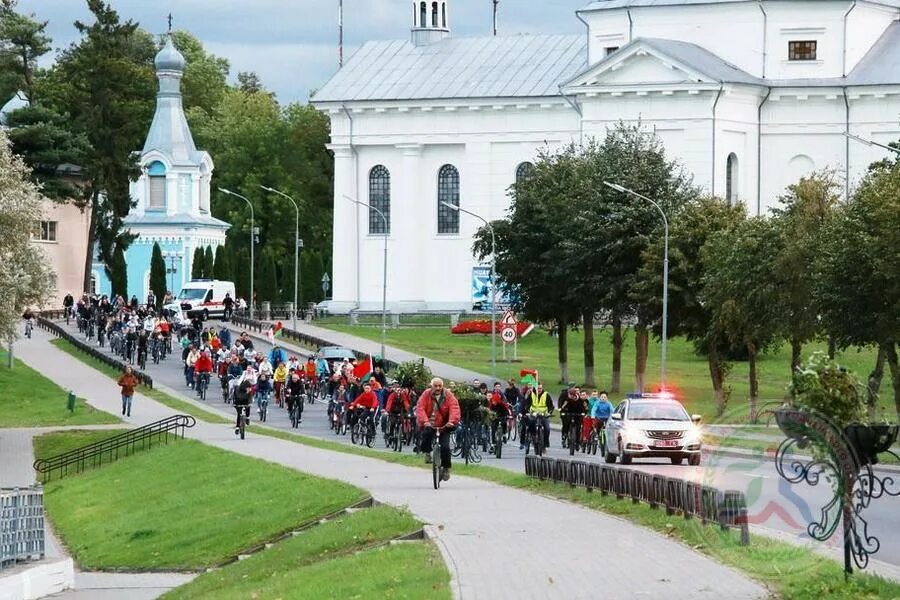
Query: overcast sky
x,y
292,44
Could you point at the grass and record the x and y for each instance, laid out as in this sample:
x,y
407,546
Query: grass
x,y
182,406
343,558
51,444
791,572
687,373
28,399
184,506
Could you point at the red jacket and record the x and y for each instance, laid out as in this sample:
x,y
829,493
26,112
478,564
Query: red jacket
x,y
448,412
365,400
402,397
203,364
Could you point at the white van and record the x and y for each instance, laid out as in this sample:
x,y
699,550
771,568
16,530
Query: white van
x,y
204,297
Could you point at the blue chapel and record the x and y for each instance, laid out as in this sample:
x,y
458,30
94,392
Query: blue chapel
x,y
172,194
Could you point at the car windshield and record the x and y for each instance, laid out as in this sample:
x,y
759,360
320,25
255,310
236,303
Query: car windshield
x,y
192,294
657,411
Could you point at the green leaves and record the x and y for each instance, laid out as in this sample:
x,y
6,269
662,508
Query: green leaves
x,y
158,274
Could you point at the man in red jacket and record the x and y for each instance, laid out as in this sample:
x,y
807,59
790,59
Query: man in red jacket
x,y
365,401
437,410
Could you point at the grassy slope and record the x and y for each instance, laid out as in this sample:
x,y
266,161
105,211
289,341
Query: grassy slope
x,y
174,403
28,399
51,444
686,372
313,564
184,506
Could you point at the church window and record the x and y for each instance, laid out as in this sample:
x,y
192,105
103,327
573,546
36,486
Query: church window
x,y
380,198
156,196
93,285
731,179
434,14
444,13
802,50
448,191
523,171
423,14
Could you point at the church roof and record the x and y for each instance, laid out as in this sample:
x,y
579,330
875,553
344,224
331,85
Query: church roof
x,y
179,219
489,67
701,60
881,64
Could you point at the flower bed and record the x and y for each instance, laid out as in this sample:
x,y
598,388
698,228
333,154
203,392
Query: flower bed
x,y
483,326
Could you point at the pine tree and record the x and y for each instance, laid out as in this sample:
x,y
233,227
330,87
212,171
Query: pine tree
x,y
266,280
208,263
222,266
117,271
158,274
197,264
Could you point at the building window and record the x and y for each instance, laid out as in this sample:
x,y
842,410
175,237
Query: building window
x,y
731,179
46,231
434,15
380,198
805,50
444,13
448,191
156,192
93,285
523,171
609,50
423,14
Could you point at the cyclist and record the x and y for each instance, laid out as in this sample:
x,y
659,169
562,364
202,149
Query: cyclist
x,y
538,405
397,405
280,378
572,412
68,303
601,411
203,367
243,397
228,302
500,407
265,366
142,342
570,392
323,369
277,355
292,394
437,410
263,391
367,400
190,358
233,374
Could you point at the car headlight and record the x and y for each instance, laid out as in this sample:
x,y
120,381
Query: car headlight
x,y
692,435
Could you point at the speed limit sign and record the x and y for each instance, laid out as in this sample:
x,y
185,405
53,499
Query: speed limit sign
x,y
508,334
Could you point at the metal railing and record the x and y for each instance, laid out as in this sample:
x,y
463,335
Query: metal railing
x,y
115,447
45,323
692,500
21,525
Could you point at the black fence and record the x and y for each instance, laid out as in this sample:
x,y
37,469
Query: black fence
x,y
44,322
115,447
690,499
308,341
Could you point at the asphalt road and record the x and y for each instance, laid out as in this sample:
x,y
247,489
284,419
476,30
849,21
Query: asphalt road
x,y
772,502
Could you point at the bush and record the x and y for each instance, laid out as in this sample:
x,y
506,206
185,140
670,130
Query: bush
x,y
827,388
412,374
472,405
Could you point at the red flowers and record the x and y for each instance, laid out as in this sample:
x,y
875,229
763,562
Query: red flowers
x,y
483,326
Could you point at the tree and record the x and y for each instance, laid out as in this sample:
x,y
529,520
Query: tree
x,y
23,40
208,263
222,267
739,285
859,277
266,280
249,82
158,274
117,269
27,280
689,230
197,262
805,210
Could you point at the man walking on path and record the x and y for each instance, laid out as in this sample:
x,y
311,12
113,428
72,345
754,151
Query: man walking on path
x,y
127,382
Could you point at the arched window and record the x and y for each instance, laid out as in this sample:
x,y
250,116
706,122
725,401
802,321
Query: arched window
x,y
93,284
423,14
444,13
448,191
434,14
731,178
156,192
523,171
380,198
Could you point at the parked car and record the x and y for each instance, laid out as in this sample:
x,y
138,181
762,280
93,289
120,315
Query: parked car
x,y
653,426
336,353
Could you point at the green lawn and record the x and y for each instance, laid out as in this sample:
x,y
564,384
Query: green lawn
x,y
184,506
686,372
182,406
29,399
343,558
51,444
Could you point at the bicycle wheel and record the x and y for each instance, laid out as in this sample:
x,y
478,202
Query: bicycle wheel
x,y
573,440
539,441
466,447
498,441
243,426
353,433
370,435
436,463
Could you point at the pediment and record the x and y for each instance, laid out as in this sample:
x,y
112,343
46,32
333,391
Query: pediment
x,y
637,65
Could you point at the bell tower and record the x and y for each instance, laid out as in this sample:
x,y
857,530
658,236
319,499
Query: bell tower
x,y
431,21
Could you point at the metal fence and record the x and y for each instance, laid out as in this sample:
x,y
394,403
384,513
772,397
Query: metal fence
x,y
21,525
44,322
728,509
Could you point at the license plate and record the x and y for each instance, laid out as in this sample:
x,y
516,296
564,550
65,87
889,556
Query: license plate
x,y
666,443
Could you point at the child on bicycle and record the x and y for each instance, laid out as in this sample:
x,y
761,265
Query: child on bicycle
x,y
264,391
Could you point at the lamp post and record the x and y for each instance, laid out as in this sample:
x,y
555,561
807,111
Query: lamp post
x,y
383,274
493,276
172,256
863,140
298,243
665,311
252,243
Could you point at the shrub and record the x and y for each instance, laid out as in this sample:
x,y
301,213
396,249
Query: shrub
x,y
823,386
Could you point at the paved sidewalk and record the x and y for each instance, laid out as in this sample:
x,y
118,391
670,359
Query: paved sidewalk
x,y
473,522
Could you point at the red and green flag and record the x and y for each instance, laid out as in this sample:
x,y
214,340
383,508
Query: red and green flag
x,y
275,331
529,377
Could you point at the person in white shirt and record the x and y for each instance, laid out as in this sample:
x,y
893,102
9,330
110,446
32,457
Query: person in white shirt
x,y
266,367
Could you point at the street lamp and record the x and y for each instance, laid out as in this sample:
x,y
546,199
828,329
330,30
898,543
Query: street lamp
x,y
173,256
493,275
252,242
863,140
298,243
665,312
384,272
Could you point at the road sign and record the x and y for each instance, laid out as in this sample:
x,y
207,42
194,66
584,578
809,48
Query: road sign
x,y
508,318
508,334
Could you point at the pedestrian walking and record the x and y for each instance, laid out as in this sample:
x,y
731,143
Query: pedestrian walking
x,y
127,382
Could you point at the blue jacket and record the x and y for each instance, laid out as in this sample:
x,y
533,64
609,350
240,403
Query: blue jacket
x,y
322,367
264,386
602,409
277,355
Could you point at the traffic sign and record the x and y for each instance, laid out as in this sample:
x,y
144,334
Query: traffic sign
x,y
508,334
508,318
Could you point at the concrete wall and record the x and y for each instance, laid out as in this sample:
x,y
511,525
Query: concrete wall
x,y
37,580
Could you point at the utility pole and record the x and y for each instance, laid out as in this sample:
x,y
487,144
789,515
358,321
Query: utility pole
x,y
340,33
496,5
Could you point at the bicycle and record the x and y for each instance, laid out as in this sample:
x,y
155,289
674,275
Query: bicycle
x,y
155,351
499,440
263,407
202,385
574,433
296,412
242,418
394,434
323,389
437,468
101,336
535,439
142,358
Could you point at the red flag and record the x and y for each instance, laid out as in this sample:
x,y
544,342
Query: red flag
x,y
363,368
532,372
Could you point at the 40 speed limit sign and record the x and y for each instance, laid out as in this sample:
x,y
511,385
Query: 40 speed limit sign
x,y
508,334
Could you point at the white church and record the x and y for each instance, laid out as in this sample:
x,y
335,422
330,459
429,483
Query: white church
x,y
748,95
